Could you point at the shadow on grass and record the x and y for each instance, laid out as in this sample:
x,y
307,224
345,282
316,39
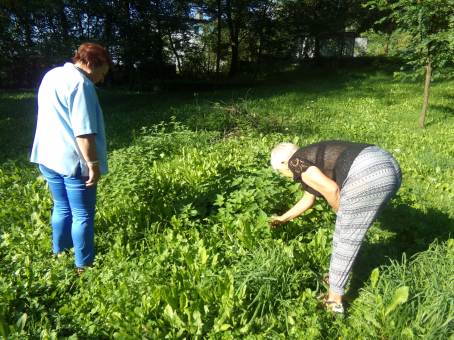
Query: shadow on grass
x,y
17,126
233,108
446,111
415,230
126,113
439,113
227,108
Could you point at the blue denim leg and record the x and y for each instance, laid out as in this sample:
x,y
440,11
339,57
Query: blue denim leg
x,y
73,215
61,220
82,201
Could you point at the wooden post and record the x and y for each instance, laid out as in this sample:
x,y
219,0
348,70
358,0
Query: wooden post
x,y
425,105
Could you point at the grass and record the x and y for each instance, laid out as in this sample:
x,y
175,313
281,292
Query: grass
x,y
183,246
428,314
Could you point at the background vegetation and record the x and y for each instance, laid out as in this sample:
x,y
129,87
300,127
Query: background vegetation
x,y
155,40
183,244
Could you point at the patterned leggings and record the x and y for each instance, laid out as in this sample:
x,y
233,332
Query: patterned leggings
x,y
373,179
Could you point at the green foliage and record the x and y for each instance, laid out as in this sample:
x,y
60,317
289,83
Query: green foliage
x,y
184,249
386,44
429,26
167,39
410,300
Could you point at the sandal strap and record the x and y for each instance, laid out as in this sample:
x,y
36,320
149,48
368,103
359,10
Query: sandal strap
x,y
332,303
334,306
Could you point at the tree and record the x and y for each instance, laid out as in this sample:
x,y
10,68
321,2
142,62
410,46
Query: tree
x,y
236,11
313,21
264,30
430,27
215,10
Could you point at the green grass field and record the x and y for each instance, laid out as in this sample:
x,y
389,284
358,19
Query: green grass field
x,y
183,245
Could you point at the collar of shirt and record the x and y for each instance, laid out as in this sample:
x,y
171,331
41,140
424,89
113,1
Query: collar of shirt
x,y
85,74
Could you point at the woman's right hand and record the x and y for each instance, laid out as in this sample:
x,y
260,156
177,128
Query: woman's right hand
x,y
277,220
87,147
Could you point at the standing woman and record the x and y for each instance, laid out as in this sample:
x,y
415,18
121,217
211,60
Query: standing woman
x,y
70,148
355,179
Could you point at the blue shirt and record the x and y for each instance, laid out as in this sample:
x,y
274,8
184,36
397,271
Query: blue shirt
x,y
68,107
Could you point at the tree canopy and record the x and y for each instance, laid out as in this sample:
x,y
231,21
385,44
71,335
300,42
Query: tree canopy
x,y
430,28
155,39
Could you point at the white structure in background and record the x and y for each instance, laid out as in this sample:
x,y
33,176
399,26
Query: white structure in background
x,y
344,44
360,48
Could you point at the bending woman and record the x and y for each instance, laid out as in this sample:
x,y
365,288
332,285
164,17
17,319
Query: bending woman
x,y
355,179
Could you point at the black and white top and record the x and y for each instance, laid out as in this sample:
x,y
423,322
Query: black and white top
x,y
333,158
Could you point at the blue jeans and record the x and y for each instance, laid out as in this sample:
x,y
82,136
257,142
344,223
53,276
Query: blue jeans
x,y
73,215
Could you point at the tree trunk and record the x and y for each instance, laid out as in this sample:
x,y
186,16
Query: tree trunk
x,y
174,50
108,24
425,105
159,48
64,22
88,26
234,39
387,42
259,53
234,59
218,45
80,24
125,34
317,48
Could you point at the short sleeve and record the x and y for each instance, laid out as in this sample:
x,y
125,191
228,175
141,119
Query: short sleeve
x,y
310,190
84,110
299,164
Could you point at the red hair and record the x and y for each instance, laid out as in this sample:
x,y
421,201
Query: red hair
x,y
92,53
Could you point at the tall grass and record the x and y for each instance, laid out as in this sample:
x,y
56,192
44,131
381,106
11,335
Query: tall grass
x,y
429,311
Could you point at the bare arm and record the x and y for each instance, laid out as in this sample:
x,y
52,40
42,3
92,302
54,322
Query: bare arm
x,y
316,179
87,147
299,208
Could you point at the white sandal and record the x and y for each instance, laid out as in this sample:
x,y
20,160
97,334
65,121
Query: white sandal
x,y
334,307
